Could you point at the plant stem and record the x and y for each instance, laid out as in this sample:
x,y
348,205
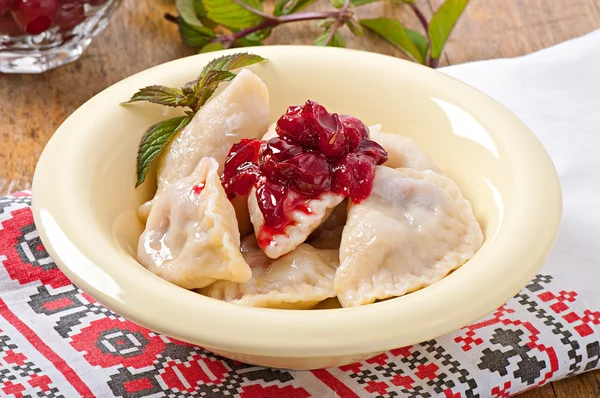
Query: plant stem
x,y
433,62
276,21
171,18
421,17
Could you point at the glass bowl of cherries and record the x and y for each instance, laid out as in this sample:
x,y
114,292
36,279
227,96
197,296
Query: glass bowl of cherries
x,y
38,35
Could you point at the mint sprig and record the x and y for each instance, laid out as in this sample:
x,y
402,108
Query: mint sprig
x,y
209,25
192,95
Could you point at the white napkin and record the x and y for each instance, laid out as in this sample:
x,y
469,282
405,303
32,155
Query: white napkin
x,y
556,92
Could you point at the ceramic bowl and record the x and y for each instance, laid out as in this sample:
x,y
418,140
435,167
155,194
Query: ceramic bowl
x,y
84,204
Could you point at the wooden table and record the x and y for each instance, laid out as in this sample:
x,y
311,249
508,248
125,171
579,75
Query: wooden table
x,y
32,107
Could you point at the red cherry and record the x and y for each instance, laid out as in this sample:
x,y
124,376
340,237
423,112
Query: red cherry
x,y
9,27
34,16
297,126
69,15
353,176
5,6
355,130
240,171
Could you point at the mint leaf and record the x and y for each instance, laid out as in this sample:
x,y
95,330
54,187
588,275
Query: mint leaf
x,y
193,95
154,143
194,36
442,23
336,40
232,15
353,3
286,7
418,40
231,62
245,42
207,85
211,47
160,95
187,12
393,31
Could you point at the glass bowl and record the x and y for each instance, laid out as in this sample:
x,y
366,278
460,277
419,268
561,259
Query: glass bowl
x,y
38,35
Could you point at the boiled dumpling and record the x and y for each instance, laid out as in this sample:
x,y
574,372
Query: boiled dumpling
x,y
298,280
191,237
412,230
403,152
271,132
241,110
329,234
302,223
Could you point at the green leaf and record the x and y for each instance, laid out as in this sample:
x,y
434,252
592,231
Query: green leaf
x,y
286,7
353,3
442,23
194,36
393,31
160,95
355,27
187,12
337,40
418,40
207,85
231,62
154,143
232,15
211,47
245,42
199,9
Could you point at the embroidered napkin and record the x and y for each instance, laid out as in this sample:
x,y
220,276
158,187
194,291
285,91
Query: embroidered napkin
x,y
56,341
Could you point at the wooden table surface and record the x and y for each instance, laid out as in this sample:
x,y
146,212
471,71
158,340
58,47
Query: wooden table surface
x,y
32,107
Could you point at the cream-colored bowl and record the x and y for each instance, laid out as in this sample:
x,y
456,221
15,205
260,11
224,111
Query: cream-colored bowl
x,y
84,201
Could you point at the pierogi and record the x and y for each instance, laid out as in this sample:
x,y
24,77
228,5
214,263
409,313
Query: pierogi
x,y
313,207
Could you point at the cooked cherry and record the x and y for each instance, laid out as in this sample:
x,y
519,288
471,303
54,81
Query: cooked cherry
x,y
355,130
297,126
353,176
69,15
240,171
315,152
34,16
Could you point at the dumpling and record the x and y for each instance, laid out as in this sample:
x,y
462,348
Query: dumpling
x,y
298,280
241,110
302,223
329,234
191,237
412,230
403,152
271,132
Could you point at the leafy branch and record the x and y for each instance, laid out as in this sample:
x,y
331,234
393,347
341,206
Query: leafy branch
x,y
192,95
209,25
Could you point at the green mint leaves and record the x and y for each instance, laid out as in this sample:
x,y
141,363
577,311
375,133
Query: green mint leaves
x,y
192,95
442,23
154,143
210,25
414,44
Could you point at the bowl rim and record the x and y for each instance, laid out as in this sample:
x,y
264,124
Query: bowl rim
x,y
305,334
